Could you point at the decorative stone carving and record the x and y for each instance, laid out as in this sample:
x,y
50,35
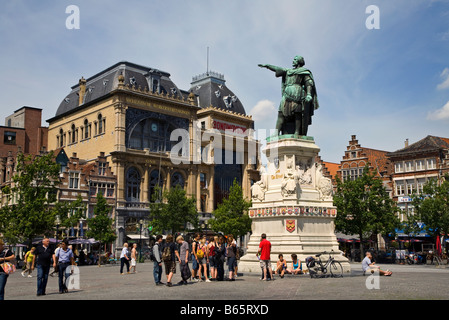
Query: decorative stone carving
x,y
259,188
324,185
290,181
304,171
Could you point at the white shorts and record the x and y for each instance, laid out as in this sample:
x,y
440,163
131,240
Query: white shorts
x,y
133,262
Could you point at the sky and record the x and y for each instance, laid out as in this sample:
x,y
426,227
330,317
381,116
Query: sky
x,y
384,85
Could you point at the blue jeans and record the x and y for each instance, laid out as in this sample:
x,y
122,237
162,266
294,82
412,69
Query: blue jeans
x,y
62,276
157,272
3,278
42,278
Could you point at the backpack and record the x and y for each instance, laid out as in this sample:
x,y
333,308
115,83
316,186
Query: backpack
x,y
310,262
151,253
166,254
200,253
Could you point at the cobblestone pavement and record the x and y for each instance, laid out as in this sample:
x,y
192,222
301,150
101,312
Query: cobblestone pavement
x,y
105,283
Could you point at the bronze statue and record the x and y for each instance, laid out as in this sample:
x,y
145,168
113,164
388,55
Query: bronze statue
x,y
299,98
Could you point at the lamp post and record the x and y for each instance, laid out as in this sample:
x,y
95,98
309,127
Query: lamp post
x,y
140,239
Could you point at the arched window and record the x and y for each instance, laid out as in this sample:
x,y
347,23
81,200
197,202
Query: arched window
x,y
133,185
61,138
86,129
156,179
177,179
73,134
101,124
151,134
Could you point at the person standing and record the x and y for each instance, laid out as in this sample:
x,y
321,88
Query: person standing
x,y
195,263
184,259
157,254
6,255
134,257
220,256
124,258
169,255
265,256
211,257
29,256
231,255
42,258
63,258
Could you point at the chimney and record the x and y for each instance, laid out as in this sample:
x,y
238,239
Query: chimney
x,y
406,143
82,92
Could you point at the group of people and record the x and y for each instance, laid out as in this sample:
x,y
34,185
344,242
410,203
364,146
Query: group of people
x,y
282,268
208,258
42,258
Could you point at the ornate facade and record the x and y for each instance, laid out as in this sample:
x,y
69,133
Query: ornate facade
x,y
152,133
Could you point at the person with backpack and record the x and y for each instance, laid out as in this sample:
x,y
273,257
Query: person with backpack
x,y
201,255
157,259
169,254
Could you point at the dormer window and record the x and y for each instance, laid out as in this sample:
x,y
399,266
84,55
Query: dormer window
x,y
133,81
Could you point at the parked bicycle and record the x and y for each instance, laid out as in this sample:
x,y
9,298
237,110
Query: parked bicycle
x,y
318,269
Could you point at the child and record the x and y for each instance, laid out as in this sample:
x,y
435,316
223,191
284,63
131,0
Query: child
x,y
281,266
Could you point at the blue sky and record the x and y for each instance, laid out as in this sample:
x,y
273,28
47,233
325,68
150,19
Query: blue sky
x,y
383,85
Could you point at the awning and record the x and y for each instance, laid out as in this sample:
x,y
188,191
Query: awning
x,y
136,237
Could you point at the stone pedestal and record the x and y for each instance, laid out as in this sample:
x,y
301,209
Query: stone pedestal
x,y
292,205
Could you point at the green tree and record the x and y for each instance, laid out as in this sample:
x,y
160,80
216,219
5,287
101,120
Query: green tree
x,y
101,226
364,207
30,211
70,212
231,216
172,210
432,207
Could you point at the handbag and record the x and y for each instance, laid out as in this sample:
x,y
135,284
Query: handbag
x,y
8,267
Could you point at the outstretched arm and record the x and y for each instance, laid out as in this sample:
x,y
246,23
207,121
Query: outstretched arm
x,y
272,68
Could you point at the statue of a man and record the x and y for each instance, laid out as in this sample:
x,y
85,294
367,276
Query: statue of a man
x,y
299,98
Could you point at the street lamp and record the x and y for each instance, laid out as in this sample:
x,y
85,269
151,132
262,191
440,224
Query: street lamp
x,y
140,240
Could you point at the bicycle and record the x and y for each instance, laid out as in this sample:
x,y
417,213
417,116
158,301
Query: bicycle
x,y
319,270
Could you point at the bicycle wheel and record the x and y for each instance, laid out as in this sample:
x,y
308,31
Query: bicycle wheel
x,y
336,269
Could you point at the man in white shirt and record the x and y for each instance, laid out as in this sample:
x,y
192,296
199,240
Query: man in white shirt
x,y
367,265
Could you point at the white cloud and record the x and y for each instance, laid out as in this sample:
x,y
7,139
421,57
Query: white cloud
x,y
445,76
263,110
440,114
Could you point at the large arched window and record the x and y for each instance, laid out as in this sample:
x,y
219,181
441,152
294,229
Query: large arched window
x,y
156,179
177,179
133,185
151,134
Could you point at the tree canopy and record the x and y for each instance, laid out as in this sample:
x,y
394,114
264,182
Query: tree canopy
x,y
364,207
30,211
231,216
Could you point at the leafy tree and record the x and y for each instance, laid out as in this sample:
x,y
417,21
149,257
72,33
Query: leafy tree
x,y
70,212
172,210
231,215
432,207
364,207
29,211
101,225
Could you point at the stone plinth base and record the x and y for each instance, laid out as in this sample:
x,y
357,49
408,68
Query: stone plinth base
x,y
292,205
